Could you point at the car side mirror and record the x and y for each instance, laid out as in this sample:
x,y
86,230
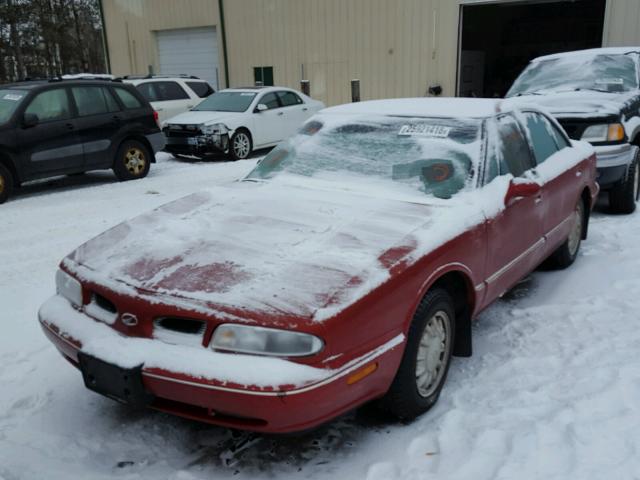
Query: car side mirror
x,y
521,188
30,120
261,108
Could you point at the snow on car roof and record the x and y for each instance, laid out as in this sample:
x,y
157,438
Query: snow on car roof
x,y
591,52
423,107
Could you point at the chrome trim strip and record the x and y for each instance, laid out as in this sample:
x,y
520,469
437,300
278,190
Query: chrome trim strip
x,y
479,287
512,263
558,227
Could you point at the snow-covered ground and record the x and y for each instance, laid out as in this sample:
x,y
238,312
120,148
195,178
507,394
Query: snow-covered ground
x,y
552,391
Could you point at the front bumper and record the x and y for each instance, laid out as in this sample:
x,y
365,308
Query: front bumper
x,y
185,388
612,163
198,145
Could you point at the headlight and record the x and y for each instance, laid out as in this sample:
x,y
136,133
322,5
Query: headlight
x,y
69,288
217,129
611,132
264,341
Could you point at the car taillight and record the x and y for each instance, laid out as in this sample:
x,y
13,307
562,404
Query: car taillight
x,y
156,117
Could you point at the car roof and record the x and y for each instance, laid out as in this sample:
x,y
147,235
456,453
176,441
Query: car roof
x,y
591,52
41,83
447,107
257,89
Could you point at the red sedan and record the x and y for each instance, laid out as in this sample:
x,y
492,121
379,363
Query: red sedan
x,y
346,267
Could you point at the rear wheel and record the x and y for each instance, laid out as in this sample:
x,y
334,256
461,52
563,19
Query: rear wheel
x,y
241,145
132,161
623,197
6,183
566,254
426,358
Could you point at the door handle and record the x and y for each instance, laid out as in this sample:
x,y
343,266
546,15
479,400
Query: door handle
x,y
578,173
305,109
70,126
538,199
190,106
116,119
280,113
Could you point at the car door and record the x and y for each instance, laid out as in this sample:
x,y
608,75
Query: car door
x,y
295,111
269,124
173,99
53,144
515,235
99,121
562,189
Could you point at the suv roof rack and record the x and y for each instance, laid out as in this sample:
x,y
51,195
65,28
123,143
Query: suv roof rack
x,y
144,77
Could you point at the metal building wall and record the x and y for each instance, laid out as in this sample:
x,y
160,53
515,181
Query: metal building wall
x,y
622,23
131,26
397,48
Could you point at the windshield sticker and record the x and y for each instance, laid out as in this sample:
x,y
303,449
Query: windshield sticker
x,y
424,130
13,97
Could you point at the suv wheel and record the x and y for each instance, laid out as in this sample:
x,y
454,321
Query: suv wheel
x,y
132,161
623,197
425,362
6,183
241,145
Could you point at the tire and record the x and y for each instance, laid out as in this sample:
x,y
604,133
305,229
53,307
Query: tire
x,y
6,183
566,254
433,324
241,145
132,161
623,197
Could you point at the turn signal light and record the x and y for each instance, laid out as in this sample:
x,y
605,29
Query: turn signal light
x,y
616,132
362,373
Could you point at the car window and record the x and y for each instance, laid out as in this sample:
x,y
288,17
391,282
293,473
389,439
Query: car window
x,y
170,91
436,156
289,98
542,138
270,100
202,89
94,101
50,105
512,151
148,91
127,98
9,101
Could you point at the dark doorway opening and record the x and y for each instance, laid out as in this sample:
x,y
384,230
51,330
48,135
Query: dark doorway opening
x,y
498,40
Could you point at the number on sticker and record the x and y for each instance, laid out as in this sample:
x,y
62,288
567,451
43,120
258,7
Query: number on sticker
x,y
424,130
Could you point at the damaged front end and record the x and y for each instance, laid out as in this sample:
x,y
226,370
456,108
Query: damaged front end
x,y
196,140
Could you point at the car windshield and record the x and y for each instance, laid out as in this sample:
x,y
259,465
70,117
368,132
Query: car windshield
x,y
9,101
226,102
436,156
607,73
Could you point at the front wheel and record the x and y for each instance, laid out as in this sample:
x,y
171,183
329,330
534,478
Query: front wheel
x,y
566,254
623,197
241,145
426,359
132,161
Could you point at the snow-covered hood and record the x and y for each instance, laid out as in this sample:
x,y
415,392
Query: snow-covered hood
x,y
194,117
578,104
281,250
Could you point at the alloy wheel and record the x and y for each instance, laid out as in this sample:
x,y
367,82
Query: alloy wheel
x,y
576,232
241,145
135,161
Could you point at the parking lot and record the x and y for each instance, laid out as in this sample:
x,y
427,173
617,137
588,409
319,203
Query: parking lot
x,y
550,392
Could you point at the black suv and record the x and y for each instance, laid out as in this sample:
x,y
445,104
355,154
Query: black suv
x,y
595,96
57,127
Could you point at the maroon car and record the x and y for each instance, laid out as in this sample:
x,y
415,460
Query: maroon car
x,y
346,267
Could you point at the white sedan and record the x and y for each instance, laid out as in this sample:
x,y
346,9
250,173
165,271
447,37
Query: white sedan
x,y
238,120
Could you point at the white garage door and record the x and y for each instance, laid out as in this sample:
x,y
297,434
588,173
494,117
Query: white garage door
x,y
192,51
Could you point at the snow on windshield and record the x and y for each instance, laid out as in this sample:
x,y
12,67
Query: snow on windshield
x,y
607,73
437,156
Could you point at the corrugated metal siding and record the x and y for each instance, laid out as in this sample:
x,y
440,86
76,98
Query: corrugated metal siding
x,y
622,27
131,26
387,44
